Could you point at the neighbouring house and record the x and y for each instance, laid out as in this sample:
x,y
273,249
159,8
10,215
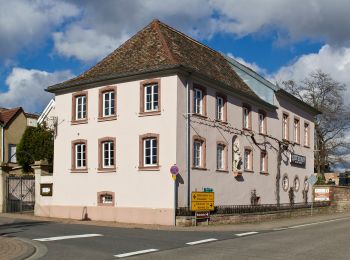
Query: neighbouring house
x,y
47,117
13,122
160,99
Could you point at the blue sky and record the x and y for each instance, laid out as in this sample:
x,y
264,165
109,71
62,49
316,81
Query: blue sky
x,y
46,42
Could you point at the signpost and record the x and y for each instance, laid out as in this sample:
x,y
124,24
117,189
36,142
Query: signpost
x,y
312,180
174,170
202,204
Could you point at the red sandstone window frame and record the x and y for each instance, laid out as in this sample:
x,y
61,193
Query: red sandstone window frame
x,y
74,105
101,92
264,166
224,109
247,108
285,126
203,153
248,162
202,113
105,193
143,85
296,130
101,167
73,156
263,128
142,165
224,157
307,134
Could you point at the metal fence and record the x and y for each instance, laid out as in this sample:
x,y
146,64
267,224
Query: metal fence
x,y
20,193
246,209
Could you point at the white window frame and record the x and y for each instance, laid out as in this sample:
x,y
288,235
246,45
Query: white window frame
x,y
285,130
262,125
108,146
150,144
197,153
82,158
307,134
220,156
248,160
296,126
198,101
220,108
12,157
151,104
246,119
80,108
108,97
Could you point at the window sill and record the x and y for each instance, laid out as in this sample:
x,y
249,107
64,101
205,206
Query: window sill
x,y
105,204
246,170
263,134
222,170
285,140
199,168
295,143
106,170
79,170
264,173
224,122
306,146
151,113
78,122
149,168
199,115
107,118
247,129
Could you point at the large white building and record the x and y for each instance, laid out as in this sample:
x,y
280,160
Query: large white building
x,y
161,99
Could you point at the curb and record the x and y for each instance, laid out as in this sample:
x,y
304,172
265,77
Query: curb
x,y
35,250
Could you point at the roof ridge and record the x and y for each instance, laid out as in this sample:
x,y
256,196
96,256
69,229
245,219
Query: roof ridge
x,y
186,36
156,24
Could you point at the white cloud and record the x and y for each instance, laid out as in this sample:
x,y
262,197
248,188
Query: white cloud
x,y
25,23
26,88
335,61
251,65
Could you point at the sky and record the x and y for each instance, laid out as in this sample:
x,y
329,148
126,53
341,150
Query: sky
x,y
43,42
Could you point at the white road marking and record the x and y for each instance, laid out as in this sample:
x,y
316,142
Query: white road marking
x,y
136,253
246,234
278,229
201,241
316,223
66,237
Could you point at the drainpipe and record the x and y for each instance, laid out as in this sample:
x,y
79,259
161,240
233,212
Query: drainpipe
x,y
2,144
188,143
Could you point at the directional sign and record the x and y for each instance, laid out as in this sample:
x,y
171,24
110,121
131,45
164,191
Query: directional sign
x,y
202,214
202,201
312,179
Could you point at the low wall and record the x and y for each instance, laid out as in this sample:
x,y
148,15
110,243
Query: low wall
x,y
257,217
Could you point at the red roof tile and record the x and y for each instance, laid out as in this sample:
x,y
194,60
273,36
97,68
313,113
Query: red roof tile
x,y
6,115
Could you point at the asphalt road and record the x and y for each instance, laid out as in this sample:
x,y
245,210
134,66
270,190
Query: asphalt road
x,y
322,240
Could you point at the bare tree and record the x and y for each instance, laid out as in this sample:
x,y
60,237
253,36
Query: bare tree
x,y
324,93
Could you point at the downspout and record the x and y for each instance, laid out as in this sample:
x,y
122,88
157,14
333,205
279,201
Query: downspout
x,y
2,144
188,143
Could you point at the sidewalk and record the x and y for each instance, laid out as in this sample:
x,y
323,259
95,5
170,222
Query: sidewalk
x,y
14,248
6,218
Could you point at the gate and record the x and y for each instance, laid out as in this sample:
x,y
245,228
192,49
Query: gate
x,y
20,193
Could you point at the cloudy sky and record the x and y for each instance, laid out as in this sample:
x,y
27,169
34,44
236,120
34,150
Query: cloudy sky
x,y
43,42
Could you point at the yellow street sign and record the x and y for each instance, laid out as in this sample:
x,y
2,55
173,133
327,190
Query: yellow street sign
x,y
203,196
196,206
202,201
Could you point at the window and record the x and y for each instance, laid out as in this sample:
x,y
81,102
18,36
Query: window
x,y
306,135
263,162
106,153
296,183
105,198
285,182
248,159
79,107
149,152
199,100
220,108
12,153
79,155
285,127
247,117
221,156
107,103
150,97
198,152
262,122
296,127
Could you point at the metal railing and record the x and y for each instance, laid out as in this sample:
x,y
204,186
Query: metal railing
x,y
246,209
